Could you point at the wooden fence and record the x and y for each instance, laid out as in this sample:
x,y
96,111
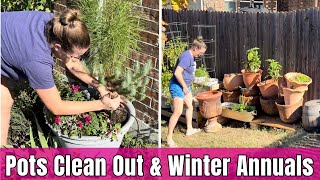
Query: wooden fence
x,y
292,38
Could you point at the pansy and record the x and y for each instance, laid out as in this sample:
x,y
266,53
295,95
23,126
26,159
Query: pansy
x,y
57,120
79,123
87,118
75,88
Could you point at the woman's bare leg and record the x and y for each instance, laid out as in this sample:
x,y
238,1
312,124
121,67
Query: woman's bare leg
x,y
6,105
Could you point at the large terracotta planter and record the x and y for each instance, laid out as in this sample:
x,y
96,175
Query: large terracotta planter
x,y
250,92
293,96
233,81
231,96
251,79
291,83
269,89
269,106
290,113
209,103
252,100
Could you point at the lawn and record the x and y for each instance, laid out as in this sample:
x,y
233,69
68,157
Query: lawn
x,y
234,134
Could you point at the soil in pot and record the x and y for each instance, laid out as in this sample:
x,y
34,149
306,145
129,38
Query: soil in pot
x,y
233,81
289,113
293,96
250,92
296,80
231,96
251,79
269,106
252,100
209,103
119,115
269,89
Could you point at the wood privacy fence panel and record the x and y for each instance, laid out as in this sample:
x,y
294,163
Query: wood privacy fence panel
x,y
292,38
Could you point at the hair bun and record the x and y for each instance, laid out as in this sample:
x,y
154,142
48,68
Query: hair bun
x,y
200,38
69,16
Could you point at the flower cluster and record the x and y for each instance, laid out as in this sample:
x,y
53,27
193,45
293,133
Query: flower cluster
x,y
85,124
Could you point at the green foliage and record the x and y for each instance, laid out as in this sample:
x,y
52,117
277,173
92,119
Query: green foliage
x,y
274,69
131,83
130,142
28,5
114,28
201,72
165,81
173,50
253,62
19,128
85,124
302,78
242,106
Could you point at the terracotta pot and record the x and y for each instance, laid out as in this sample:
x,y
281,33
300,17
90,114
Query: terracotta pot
x,y
251,79
249,92
269,106
253,100
232,81
291,83
231,96
209,103
269,89
290,113
293,96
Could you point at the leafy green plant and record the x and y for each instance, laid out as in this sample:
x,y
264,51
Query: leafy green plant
x,y
274,69
201,72
253,62
302,78
242,106
134,142
165,81
115,27
28,5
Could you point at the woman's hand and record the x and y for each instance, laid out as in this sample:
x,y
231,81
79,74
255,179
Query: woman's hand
x,y
185,90
111,101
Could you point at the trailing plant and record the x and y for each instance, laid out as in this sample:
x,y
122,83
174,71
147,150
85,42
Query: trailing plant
x,y
253,63
115,27
243,105
28,5
274,69
86,124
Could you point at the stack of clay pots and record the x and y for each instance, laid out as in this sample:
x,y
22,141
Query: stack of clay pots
x,y
232,83
270,92
251,92
290,110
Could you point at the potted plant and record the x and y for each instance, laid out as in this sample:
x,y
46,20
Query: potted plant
x,y
239,111
201,75
296,80
269,88
252,72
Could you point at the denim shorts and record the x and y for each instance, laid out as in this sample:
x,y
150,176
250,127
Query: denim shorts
x,y
176,90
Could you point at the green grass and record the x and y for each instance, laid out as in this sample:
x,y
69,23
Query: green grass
x,y
234,135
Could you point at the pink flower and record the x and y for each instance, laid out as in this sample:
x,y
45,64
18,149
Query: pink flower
x,y
57,120
75,88
87,118
79,123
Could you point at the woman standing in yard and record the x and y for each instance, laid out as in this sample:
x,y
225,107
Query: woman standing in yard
x,y
27,40
180,88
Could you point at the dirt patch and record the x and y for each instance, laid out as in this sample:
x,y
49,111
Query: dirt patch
x,y
119,115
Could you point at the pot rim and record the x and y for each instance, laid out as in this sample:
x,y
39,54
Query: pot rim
x,y
290,74
289,106
245,71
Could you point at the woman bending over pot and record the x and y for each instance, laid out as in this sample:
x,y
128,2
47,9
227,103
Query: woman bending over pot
x,y
27,40
180,88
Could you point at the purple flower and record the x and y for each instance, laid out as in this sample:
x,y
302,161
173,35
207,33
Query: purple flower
x,y
87,118
57,120
75,88
79,123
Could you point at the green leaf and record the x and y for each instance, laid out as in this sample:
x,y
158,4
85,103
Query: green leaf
x,y
33,144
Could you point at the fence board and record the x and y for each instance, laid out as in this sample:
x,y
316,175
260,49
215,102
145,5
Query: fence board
x,y
292,38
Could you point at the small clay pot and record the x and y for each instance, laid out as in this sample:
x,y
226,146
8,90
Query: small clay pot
x,y
269,89
252,100
269,106
233,81
294,84
293,96
251,79
290,113
250,92
231,96
209,103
